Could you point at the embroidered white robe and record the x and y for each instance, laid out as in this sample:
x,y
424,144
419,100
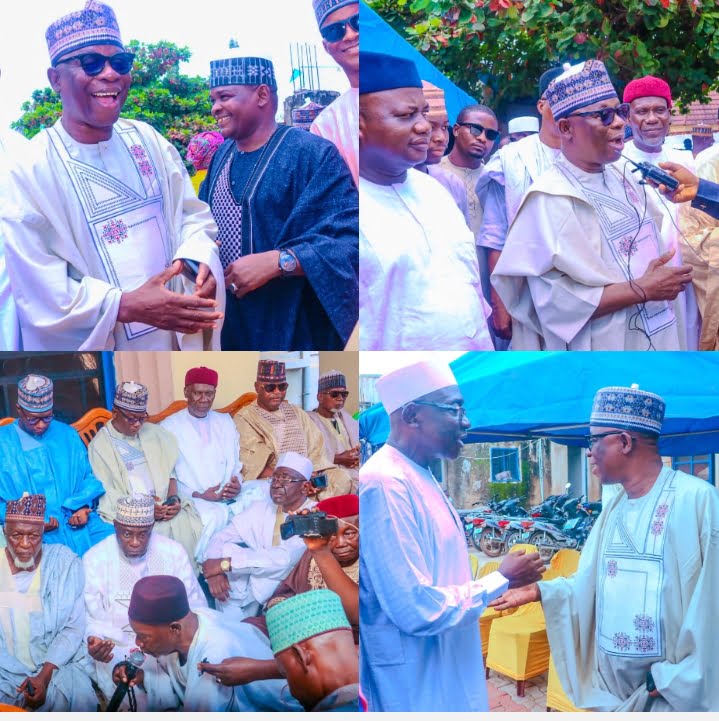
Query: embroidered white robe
x,y
87,221
645,598
339,122
561,252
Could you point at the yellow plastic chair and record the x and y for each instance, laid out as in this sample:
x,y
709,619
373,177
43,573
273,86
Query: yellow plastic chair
x,y
565,562
557,700
474,566
518,645
487,618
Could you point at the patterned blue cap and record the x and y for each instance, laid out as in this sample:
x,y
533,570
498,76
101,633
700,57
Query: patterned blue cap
x,y
323,8
35,394
628,408
578,87
242,71
95,24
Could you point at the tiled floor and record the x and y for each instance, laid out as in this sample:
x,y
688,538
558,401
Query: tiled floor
x,y
503,694
503,691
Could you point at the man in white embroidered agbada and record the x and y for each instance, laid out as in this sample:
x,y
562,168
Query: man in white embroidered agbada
x,y
632,630
102,215
584,266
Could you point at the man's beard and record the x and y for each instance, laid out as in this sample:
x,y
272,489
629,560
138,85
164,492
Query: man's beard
x,y
334,410
21,565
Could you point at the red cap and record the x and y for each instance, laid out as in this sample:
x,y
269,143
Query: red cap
x,y
201,375
648,87
340,506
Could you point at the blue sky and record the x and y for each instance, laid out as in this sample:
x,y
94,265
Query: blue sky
x,y
266,28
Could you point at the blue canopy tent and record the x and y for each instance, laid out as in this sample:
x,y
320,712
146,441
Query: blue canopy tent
x,y
377,36
520,396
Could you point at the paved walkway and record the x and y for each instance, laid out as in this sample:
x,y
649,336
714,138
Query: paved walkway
x,y
502,690
503,694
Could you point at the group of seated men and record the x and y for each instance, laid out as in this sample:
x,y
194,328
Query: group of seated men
x,y
66,623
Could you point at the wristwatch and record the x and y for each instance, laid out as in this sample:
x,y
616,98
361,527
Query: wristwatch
x,y
287,263
225,565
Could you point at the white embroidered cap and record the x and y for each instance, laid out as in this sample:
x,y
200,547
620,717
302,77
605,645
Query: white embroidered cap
x,y
296,462
526,124
412,382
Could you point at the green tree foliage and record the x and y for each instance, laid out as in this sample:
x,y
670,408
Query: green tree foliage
x,y
176,105
497,49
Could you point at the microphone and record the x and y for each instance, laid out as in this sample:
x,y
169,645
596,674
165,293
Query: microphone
x,y
132,665
658,175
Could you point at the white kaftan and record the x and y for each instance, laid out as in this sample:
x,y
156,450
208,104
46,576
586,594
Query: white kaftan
x,y
575,233
209,454
258,565
109,580
215,640
12,146
339,123
419,278
671,229
506,178
421,649
86,222
644,598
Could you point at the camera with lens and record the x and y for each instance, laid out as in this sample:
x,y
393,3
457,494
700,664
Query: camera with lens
x,y
319,481
312,524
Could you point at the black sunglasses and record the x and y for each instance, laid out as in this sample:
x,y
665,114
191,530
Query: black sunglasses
x,y
337,394
606,115
336,31
270,387
476,129
593,438
94,63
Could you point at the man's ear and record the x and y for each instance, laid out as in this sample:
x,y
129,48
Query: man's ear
x,y
303,655
53,75
409,414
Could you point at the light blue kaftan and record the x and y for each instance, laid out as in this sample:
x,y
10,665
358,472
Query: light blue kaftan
x,y
56,465
420,647
56,636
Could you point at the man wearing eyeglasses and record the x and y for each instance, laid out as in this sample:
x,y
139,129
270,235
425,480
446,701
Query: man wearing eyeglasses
x,y
270,426
338,21
419,607
650,117
132,456
507,176
245,562
45,456
419,284
103,215
633,629
584,266
339,430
